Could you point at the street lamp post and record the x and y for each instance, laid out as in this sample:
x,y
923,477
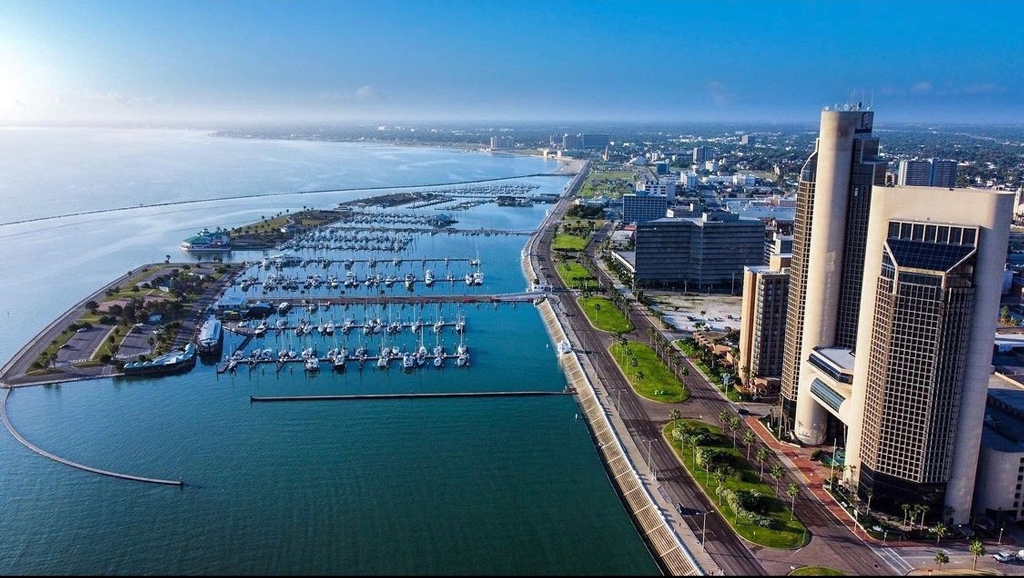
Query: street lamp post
x,y
1000,540
704,531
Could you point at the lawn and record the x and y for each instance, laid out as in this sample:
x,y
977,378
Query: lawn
x,y
789,532
566,242
816,571
649,376
575,275
604,315
612,184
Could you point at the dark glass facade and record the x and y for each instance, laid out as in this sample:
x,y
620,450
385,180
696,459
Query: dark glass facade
x,y
923,309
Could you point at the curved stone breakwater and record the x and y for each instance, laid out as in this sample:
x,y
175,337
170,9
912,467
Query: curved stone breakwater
x,y
21,439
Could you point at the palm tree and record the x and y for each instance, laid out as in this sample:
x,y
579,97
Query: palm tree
x,y
906,512
748,440
761,454
734,426
978,549
719,480
941,531
723,418
792,490
924,510
941,558
691,441
675,415
777,473
914,512
869,493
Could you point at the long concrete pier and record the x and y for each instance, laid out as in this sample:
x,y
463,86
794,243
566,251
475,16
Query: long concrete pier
x,y
255,398
297,301
78,466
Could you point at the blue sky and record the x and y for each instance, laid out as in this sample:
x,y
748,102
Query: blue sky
x,y
513,60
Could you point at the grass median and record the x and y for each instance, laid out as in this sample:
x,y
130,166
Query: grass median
x,y
575,275
567,242
647,374
816,571
604,315
741,478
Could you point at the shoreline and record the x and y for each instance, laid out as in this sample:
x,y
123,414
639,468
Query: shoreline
x,y
15,372
657,533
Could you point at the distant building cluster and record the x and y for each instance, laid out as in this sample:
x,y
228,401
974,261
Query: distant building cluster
x,y
502,142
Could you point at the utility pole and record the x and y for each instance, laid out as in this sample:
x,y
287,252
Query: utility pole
x,y
704,531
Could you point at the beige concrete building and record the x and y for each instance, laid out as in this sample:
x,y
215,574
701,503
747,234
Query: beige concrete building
x,y
894,294
763,323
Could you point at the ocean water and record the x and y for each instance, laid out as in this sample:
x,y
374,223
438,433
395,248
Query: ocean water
x,y
459,486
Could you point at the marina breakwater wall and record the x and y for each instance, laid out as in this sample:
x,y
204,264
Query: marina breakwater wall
x,y
21,439
654,528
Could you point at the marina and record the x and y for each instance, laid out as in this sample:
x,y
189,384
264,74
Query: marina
x,y
262,474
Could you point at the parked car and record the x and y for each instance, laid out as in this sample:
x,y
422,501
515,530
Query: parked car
x,y
1004,557
964,531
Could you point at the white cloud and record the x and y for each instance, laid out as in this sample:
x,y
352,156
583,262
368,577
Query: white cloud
x,y
720,96
923,87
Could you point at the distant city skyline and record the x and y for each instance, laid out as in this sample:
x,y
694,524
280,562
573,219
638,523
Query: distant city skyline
x,y
155,61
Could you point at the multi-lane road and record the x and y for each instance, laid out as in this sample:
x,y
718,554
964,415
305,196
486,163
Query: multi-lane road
x,y
831,541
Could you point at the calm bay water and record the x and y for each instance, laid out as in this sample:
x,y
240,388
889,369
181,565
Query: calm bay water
x,y
417,486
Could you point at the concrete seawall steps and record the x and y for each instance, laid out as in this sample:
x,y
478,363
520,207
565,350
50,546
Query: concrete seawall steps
x,y
664,543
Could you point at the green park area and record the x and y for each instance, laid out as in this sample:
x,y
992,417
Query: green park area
x,y
647,374
723,470
575,275
567,242
604,315
611,184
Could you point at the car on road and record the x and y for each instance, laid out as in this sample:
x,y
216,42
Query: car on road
x,y
1005,557
82,330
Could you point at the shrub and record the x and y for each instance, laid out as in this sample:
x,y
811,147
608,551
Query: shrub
x,y
105,358
712,458
739,500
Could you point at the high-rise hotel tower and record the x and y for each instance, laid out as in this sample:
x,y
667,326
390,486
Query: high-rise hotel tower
x,y
894,294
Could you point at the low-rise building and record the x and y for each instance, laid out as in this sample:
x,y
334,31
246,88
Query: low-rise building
x,y
997,490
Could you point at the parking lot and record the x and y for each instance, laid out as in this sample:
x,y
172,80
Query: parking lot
x,y
82,344
136,341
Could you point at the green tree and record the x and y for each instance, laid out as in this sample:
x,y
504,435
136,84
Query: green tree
x,y
792,490
761,454
977,549
719,476
941,531
748,440
778,473
906,512
723,418
941,558
734,426
675,415
869,493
